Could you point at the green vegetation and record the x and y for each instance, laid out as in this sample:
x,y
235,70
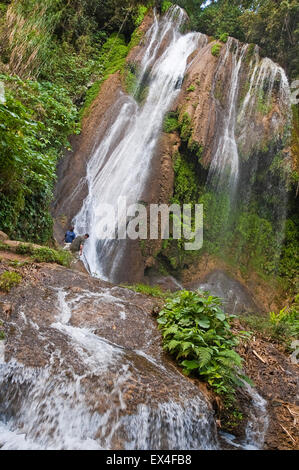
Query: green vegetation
x,y
197,333
215,49
171,123
45,254
34,124
282,327
165,6
9,279
141,12
17,264
185,127
191,88
223,37
2,334
80,27
271,24
186,185
113,56
53,58
154,291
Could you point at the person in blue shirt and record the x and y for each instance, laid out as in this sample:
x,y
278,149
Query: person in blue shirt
x,y
70,235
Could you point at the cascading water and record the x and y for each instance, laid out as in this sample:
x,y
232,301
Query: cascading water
x,y
264,75
224,168
92,393
81,394
121,164
247,181
82,398
267,83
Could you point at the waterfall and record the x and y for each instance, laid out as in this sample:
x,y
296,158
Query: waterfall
x,y
224,168
264,75
121,164
82,397
247,184
267,83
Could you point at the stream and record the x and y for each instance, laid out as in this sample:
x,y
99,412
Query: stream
x,y
83,366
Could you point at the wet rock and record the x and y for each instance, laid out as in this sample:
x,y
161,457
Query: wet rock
x,y
6,309
89,371
236,298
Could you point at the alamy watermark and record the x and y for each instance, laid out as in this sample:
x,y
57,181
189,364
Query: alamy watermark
x,y
138,221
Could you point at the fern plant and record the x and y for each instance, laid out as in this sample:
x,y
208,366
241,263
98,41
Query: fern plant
x,y
197,333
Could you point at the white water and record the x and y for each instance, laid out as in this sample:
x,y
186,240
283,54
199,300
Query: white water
x,y
241,129
257,425
68,404
224,168
79,401
53,409
121,165
263,74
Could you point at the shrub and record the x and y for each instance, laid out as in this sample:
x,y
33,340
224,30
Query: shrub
x,y
141,12
215,49
191,88
197,333
185,127
45,254
223,37
165,6
282,326
170,123
30,149
154,291
25,249
9,279
285,323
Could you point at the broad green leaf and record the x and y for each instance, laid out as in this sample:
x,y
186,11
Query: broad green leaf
x,y
190,364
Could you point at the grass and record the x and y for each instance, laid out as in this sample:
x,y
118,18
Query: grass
x,y
282,327
9,279
45,254
191,88
170,123
153,291
215,50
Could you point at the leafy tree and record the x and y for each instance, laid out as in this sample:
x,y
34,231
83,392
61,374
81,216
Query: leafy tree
x,y
274,25
35,121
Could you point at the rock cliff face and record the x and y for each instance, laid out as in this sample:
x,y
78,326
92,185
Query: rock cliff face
x,y
258,90
232,113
